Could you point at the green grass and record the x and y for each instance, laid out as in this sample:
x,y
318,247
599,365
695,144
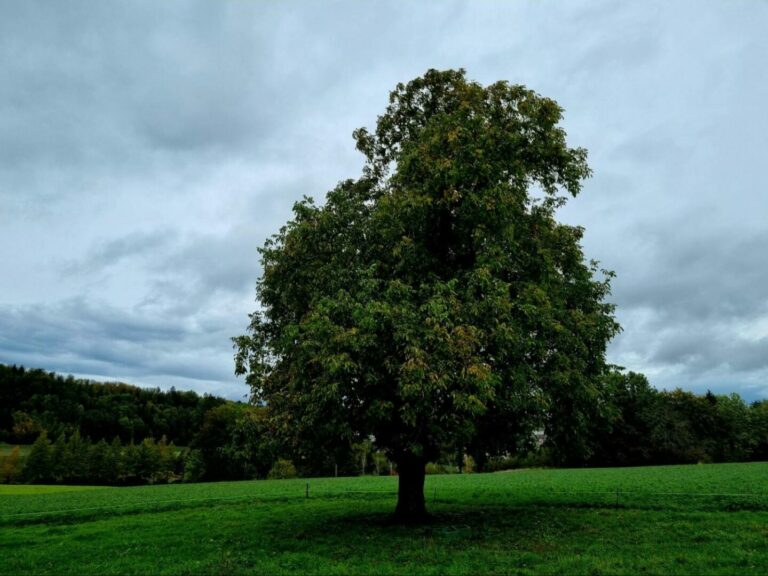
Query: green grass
x,y
523,522
36,489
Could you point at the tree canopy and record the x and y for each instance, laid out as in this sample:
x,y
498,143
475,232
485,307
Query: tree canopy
x,y
33,400
435,303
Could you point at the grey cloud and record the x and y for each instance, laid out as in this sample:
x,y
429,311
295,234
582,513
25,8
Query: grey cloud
x,y
85,338
623,41
113,84
697,293
113,252
749,357
690,276
152,147
227,263
709,348
697,357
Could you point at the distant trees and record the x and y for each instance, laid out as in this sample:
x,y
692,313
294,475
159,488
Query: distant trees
x,y
87,432
758,424
32,401
622,429
10,469
632,424
77,460
234,443
637,425
37,468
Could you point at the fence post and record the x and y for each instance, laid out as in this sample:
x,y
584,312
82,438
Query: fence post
x,y
307,493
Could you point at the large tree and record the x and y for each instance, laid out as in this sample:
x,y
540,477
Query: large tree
x,y
436,297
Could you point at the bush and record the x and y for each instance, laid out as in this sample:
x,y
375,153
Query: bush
x,y
37,468
282,470
540,458
194,466
10,467
438,468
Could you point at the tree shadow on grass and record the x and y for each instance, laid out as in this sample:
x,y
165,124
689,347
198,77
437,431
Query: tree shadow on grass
x,y
456,522
332,540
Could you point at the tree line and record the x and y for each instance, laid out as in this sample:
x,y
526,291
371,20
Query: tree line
x,y
631,424
634,424
639,425
86,432
234,443
78,460
33,401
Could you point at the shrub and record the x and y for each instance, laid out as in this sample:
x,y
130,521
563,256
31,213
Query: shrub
x,y
439,468
281,470
10,467
194,466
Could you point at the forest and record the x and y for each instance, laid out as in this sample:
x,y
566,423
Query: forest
x,y
33,400
63,430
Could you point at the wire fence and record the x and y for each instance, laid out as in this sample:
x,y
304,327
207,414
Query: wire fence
x,y
435,496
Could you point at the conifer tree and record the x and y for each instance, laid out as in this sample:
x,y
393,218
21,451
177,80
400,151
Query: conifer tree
x,y
38,465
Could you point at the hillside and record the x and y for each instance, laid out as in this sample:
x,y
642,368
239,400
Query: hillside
x,y
33,400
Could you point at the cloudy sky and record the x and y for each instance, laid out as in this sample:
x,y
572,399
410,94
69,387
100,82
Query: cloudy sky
x,y
148,148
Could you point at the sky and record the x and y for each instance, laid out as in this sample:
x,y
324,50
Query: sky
x,y
147,149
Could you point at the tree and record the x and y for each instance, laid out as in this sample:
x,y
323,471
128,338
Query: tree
x,y
213,440
38,467
733,437
623,428
194,467
252,447
149,461
758,424
25,427
59,459
436,289
101,463
76,462
10,468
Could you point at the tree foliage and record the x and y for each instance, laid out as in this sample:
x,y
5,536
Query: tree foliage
x,y
639,425
437,294
234,443
10,466
230,441
32,401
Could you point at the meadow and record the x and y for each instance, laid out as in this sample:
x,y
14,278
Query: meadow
x,y
698,519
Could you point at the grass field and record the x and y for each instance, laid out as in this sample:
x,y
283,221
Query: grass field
x,y
707,519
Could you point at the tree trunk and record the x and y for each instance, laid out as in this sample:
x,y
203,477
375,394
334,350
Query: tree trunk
x,y
481,460
410,493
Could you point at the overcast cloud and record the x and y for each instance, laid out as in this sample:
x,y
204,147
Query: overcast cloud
x,y
148,148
